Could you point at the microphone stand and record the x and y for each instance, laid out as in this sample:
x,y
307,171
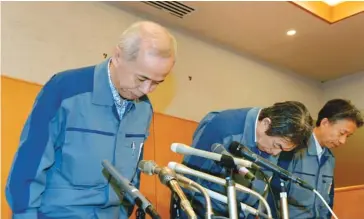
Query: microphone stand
x,y
176,206
283,200
140,214
228,163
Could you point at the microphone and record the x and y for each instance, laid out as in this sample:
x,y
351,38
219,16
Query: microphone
x,y
133,194
168,177
220,149
182,169
240,150
191,185
187,150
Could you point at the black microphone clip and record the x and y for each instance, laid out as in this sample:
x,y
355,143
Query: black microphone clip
x,y
228,163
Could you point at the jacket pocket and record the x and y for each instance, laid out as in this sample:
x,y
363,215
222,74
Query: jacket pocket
x,y
90,131
326,184
128,152
135,135
301,200
82,155
299,196
134,144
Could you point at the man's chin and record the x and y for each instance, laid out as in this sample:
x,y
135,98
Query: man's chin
x,y
135,97
331,146
130,96
335,146
265,150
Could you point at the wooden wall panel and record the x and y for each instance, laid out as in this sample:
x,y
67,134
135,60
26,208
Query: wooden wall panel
x,y
17,99
148,183
349,201
167,131
350,162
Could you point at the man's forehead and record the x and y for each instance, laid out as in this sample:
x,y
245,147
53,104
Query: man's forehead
x,y
347,125
285,143
283,140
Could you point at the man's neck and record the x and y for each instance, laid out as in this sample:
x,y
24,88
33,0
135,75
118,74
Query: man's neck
x,y
317,133
258,125
112,75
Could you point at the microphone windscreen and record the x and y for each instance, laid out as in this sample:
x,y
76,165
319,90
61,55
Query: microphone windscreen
x,y
217,148
147,166
233,148
172,165
174,147
179,148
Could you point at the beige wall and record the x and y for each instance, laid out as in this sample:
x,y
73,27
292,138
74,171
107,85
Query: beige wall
x,y
349,160
40,39
350,87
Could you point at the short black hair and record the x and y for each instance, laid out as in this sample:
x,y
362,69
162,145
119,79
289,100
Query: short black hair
x,y
339,109
290,120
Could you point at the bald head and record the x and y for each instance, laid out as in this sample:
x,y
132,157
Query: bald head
x,y
142,60
148,37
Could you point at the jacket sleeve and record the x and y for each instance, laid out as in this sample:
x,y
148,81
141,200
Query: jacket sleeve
x,y
206,134
27,177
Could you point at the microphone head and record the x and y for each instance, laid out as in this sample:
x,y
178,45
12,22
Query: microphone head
x,y
147,166
105,163
238,149
174,147
181,148
179,168
172,165
234,147
218,148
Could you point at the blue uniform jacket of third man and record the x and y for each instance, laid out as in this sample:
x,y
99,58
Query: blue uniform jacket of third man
x,y
319,173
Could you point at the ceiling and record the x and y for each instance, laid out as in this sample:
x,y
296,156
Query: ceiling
x,y
322,49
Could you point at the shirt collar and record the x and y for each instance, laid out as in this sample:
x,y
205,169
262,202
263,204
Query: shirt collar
x,y
114,91
117,98
319,148
256,125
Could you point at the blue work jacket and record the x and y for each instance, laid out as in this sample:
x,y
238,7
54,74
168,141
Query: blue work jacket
x,y
319,173
57,171
224,127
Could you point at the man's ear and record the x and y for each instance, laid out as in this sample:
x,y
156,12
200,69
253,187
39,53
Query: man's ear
x,y
266,123
324,122
116,57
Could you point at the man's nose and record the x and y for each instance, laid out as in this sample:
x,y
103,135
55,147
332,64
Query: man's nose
x,y
146,86
342,140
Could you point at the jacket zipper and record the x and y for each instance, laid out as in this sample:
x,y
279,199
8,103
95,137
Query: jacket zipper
x,y
315,197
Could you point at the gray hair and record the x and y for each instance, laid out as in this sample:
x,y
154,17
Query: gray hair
x,y
290,120
154,34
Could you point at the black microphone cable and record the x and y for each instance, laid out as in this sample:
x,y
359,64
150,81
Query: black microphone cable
x,y
275,205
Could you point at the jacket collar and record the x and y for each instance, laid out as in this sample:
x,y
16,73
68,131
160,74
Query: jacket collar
x,y
312,151
102,92
250,128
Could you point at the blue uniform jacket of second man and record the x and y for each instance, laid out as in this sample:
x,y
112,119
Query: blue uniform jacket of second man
x,y
224,127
